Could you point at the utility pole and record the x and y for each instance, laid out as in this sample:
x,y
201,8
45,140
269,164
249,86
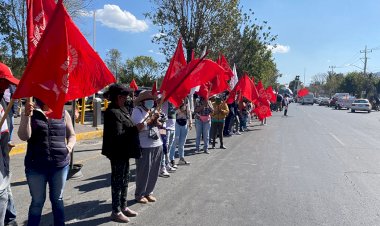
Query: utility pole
x,y
365,51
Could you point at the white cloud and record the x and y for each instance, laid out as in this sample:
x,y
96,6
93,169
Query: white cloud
x,y
152,51
279,48
158,35
114,17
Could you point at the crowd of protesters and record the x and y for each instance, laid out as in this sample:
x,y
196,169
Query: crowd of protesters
x,y
154,130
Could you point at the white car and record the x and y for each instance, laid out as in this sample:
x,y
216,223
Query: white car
x,y
361,105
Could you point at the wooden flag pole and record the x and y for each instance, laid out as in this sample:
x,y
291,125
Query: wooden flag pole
x,y
9,107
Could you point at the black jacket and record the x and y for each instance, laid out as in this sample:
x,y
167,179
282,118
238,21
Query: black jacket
x,y
120,136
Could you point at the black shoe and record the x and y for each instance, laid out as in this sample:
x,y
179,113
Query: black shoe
x,y
222,147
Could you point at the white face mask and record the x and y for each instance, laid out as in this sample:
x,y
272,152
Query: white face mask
x,y
149,104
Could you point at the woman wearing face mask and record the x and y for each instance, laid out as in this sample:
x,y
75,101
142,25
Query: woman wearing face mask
x,y
147,167
119,131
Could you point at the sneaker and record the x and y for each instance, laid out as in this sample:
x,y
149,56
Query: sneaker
x,y
129,213
237,133
182,161
142,200
170,169
206,152
173,165
119,217
151,198
164,173
223,147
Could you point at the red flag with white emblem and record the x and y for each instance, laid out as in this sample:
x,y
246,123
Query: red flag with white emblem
x,y
63,67
38,15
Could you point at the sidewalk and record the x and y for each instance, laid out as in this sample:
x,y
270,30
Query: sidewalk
x,y
83,132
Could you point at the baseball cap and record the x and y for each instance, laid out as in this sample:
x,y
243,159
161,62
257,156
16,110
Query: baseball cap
x,y
6,73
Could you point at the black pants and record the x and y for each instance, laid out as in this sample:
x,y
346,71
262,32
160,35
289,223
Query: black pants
x,y
217,130
119,184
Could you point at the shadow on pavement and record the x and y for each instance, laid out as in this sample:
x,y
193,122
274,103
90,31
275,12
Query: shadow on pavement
x,y
19,183
97,182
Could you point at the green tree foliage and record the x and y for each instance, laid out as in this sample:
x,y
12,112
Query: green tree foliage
x,y
199,23
114,63
222,27
144,69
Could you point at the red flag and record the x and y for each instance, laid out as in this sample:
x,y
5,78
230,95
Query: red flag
x,y
204,90
246,87
197,72
261,90
262,110
224,64
303,92
39,13
63,67
177,63
133,85
154,89
271,96
218,85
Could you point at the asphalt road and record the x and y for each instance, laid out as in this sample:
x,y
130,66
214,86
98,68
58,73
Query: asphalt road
x,y
317,166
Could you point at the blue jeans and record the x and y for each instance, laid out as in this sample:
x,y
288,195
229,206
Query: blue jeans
x,y
202,128
37,180
10,215
180,140
3,204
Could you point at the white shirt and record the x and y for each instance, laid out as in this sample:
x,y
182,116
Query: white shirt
x,y
138,116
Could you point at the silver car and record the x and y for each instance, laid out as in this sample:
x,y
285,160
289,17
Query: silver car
x,y
361,105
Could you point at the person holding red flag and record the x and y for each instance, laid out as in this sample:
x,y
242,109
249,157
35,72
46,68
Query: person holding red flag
x,y
148,166
47,158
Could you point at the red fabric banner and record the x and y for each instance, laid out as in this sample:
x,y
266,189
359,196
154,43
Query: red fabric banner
x,y
38,15
133,85
222,61
246,88
197,72
63,67
154,88
303,92
177,63
262,110
271,96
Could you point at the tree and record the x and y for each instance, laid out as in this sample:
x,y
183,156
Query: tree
x,y
199,23
333,82
222,27
113,61
144,69
13,30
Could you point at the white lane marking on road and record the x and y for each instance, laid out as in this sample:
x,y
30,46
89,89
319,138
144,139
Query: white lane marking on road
x,y
337,139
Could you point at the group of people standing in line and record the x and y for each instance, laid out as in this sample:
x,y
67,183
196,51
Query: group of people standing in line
x,y
154,131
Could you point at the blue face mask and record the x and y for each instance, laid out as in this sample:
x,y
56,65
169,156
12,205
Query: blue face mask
x,y
148,104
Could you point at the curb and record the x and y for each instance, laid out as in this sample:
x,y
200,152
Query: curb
x,y
21,148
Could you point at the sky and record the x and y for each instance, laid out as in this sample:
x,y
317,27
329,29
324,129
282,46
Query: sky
x,y
313,36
